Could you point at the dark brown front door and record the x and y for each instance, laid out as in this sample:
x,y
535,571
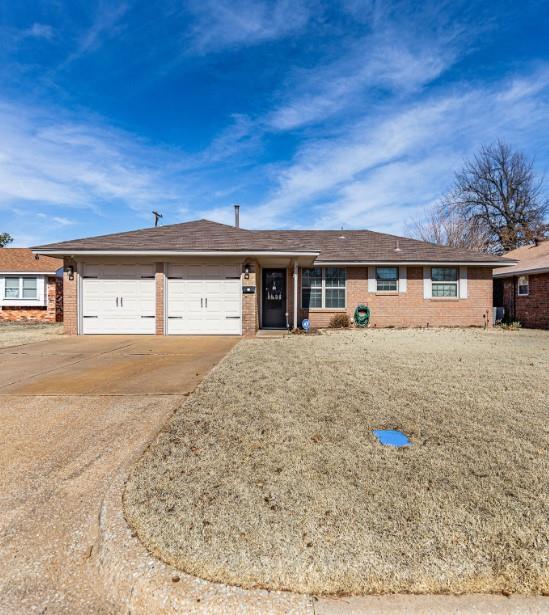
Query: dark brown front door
x,y
274,298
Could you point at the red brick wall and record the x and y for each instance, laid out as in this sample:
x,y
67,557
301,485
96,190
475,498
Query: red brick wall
x,y
58,299
410,309
250,302
533,310
46,313
70,314
160,286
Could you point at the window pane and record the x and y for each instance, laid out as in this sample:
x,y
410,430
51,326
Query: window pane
x,y
386,285
312,277
11,288
335,277
444,274
523,285
387,273
335,297
311,298
444,290
29,288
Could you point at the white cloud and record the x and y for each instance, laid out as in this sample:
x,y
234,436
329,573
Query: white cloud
x,y
51,158
40,30
384,167
221,24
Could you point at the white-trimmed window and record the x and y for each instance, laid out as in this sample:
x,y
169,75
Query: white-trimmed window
x,y
323,287
444,281
523,286
20,288
387,279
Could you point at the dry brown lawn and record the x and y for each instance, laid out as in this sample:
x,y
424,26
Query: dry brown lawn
x,y
18,333
269,476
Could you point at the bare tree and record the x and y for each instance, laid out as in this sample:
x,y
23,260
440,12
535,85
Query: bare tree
x,y
446,228
498,190
5,238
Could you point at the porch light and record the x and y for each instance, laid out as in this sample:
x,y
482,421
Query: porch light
x,y
70,272
247,272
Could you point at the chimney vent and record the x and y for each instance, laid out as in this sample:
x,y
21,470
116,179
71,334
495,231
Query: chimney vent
x,y
237,216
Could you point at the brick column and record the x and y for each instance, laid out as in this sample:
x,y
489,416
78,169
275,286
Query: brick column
x,y
250,312
160,283
70,307
51,291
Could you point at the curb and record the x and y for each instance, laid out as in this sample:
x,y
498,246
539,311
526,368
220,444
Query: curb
x,y
137,582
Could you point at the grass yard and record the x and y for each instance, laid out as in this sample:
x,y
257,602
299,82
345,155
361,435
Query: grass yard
x,y
269,475
17,333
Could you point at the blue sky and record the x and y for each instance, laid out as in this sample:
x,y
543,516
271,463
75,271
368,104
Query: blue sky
x,y
309,113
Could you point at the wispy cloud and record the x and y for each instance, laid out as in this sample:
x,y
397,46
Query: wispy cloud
x,y
221,24
385,167
52,158
106,23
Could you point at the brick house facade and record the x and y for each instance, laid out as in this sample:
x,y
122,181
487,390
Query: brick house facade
x,y
208,278
30,288
523,289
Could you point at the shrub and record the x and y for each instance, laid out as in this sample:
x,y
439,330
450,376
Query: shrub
x,y
511,326
339,321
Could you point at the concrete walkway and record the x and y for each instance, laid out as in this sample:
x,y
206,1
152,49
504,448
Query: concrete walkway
x,y
74,414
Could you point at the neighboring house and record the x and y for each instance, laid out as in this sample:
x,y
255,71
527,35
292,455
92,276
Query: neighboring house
x,y
202,277
30,287
523,289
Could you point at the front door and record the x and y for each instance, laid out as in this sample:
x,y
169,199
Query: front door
x,y
274,298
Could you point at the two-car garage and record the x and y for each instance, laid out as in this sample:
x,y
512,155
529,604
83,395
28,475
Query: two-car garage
x,y
199,299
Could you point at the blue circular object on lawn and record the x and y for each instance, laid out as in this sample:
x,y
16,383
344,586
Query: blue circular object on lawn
x,y
306,324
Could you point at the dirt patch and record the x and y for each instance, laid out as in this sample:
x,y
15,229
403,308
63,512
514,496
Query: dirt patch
x,y
270,476
15,334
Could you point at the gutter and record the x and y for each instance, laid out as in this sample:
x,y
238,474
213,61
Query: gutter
x,y
47,252
411,263
508,274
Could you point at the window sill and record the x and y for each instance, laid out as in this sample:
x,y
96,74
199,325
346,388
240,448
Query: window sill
x,y
444,299
390,293
324,309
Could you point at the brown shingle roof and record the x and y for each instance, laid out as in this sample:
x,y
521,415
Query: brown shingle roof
x,y
530,259
343,246
23,260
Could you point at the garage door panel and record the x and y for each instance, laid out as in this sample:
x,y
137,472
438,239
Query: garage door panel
x,y
118,299
204,299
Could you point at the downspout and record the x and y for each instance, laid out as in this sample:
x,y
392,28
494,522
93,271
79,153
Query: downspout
x,y
295,295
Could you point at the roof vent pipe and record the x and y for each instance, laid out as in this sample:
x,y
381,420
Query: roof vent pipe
x,y
237,216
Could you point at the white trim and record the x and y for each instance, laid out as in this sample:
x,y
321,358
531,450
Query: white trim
x,y
427,284
41,298
140,253
462,290
402,279
50,274
527,293
372,280
407,263
323,289
517,272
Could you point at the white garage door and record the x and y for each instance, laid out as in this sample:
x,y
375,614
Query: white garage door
x,y
204,299
118,299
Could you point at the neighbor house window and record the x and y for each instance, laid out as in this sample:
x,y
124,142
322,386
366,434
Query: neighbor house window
x,y
444,281
522,286
20,288
323,287
387,278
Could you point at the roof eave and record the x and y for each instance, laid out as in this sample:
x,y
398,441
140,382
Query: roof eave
x,y
350,263
73,252
508,273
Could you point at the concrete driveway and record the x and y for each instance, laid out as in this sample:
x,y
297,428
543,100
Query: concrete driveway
x,y
74,412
